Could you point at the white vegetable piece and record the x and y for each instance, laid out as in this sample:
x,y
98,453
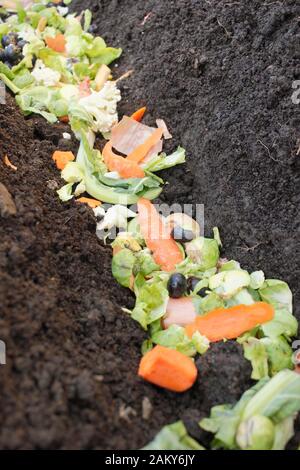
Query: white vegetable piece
x,y
116,216
44,75
102,105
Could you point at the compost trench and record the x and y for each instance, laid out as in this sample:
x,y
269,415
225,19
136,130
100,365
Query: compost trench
x,y
220,73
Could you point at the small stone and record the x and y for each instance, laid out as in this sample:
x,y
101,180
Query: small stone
x,y
7,205
125,412
146,408
52,184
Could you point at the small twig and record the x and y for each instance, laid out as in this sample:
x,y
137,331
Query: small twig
x,y
125,75
251,248
146,18
228,33
269,153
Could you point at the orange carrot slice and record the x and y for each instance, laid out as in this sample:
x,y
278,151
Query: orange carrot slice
x,y
62,158
89,201
168,368
230,323
140,152
58,43
123,166
64,119
166,252
139,114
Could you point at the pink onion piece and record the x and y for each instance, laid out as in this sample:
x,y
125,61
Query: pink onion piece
x,y
129,134
162,125
179,312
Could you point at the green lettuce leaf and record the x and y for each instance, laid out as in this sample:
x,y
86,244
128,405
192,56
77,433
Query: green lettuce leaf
x,y
261,419
278,399
277,293
173,437
151,302
283,323
89,164
163,161
175,337
268,356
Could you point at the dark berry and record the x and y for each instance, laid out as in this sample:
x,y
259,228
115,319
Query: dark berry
x,y
93,28
2,55
191,283
21,43
10,38
177,285
182,235
203,292
12,53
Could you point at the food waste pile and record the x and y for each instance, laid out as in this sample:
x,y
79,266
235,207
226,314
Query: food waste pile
x,y
189,300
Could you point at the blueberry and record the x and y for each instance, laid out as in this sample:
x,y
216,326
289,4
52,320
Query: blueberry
x,y
191,283
12,53
93,28
182,235
2,55
21,43
10,38
8,65
177,285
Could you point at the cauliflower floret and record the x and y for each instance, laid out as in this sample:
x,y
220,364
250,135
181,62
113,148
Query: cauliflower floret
x,y
116,216
102,105
44,75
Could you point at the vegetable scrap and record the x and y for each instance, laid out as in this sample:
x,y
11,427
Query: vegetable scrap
x,y
263,419
186,295
232,322
139,114
62,158
93,203
168,368
8,163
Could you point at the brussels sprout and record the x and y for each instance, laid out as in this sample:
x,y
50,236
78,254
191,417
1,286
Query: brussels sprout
x,y
183,227
126,240
228,283
203,251
122,267
257,433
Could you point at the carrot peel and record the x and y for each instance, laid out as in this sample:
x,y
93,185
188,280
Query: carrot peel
x,y
232,322
168,368
62,158
93,203
166,252
140,152
57,44
125,168
139,114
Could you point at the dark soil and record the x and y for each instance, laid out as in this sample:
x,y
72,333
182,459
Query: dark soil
x,y
220,73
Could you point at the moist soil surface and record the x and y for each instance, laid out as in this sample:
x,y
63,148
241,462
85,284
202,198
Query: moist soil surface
x,y
220,73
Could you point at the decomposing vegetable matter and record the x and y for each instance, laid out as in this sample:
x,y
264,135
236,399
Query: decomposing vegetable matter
x,y
186,296
263,419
